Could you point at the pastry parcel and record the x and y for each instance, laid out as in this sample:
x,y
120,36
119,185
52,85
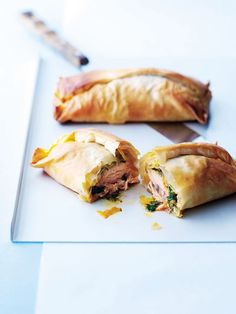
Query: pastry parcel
x,y
185,175
142,94
93,163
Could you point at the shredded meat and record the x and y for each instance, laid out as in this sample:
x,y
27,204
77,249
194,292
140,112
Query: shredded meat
x,y
115,179
156,185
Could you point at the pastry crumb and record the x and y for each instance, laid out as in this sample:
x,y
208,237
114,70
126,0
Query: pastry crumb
x,y
150,204
148,214
108,212
145,200
156,226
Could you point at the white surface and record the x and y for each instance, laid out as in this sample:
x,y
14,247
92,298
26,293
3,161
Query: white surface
x,y
137,278
151,28
49,212
12,258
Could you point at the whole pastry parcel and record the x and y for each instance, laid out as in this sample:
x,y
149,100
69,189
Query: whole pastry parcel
x,y
140,94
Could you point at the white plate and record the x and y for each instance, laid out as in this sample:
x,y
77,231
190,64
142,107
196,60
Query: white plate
x,y
47,211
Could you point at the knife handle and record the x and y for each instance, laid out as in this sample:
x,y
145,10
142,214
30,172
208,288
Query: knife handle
x,y
51,38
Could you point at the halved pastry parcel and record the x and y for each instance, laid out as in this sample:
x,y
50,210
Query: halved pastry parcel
x,y
138,94
185,175
91,162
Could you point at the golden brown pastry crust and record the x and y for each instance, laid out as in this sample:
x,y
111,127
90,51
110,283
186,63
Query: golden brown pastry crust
x,y
198,172
201,149
76,159
143,94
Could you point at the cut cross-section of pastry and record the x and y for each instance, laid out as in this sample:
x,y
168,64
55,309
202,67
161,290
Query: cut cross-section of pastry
x,y
91,162
140,94
186,175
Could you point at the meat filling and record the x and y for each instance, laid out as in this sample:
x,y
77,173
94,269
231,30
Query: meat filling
x,y
156,185
161,190
117,178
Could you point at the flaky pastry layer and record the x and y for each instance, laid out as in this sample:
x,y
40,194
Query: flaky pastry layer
x,y
142,94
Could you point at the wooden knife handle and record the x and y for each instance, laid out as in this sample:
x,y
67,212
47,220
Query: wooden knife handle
x,y
50,37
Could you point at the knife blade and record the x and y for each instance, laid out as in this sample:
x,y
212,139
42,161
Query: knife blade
x,y
177,132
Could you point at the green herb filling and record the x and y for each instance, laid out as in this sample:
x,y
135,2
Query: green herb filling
x,y
114,196
171,198
152,206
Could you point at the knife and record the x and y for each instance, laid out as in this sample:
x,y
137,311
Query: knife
x,y
51,38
